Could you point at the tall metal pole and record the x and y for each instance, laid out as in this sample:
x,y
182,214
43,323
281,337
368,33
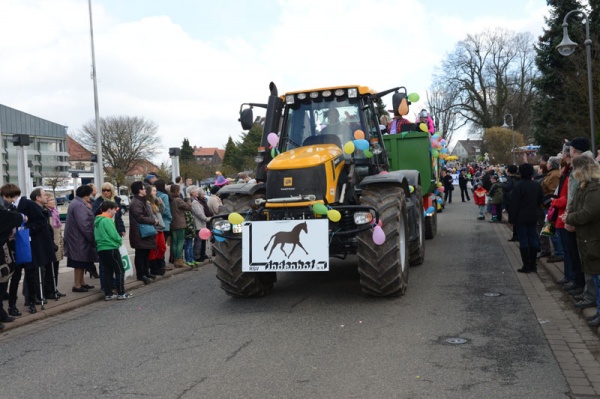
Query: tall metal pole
x,y
100,161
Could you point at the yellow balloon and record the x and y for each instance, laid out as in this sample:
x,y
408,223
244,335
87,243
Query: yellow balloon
x,y
411,189
235,218
334,215
423,127
439,184
349,147
359,134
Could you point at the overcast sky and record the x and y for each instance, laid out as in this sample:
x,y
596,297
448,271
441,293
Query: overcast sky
x,y
187,65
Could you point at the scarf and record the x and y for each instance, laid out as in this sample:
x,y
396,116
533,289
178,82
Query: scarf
x,y
55,218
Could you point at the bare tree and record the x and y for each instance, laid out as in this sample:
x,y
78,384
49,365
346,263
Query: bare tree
x,y
126,141
440,101
488,76
57,180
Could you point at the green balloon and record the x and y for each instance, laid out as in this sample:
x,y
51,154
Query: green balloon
x,y
368,153
319,209
413,97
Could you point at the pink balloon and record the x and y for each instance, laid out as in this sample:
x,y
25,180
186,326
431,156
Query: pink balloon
x,y
380,223
441,189
273,139
204,234
378,235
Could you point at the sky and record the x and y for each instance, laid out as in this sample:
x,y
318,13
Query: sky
x,y
187,65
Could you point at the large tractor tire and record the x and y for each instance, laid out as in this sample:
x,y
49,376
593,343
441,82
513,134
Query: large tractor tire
x,y
417,247
431,225
228,259
383,269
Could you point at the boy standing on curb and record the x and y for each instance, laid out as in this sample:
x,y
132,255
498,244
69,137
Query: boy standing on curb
x,y
108,241
495,195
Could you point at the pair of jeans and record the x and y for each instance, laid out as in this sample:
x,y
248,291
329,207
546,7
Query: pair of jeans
x,y
528,236
568,266
113,265
188,250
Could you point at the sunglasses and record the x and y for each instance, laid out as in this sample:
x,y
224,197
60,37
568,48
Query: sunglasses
x,y
105,190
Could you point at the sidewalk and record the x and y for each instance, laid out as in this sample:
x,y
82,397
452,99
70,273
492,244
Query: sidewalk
x,y
574,344
73,300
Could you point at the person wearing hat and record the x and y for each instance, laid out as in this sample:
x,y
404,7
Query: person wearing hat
x,y
426,119
150,178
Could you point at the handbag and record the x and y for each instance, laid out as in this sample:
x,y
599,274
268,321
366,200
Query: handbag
x,y
7,264
22,245
147,230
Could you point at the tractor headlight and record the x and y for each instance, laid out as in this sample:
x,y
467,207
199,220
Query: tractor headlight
x,y
339,92
326,93
301,96
363,217
352,93
314,94
222,225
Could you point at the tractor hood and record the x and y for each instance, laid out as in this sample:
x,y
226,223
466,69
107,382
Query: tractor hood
x,y
305,157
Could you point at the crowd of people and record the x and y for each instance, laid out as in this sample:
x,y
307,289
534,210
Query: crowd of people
x,y
553,211
160,214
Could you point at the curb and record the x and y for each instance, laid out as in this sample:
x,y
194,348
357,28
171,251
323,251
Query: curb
x,y
84,300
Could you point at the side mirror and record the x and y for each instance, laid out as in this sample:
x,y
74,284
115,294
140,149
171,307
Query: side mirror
x,y
247,118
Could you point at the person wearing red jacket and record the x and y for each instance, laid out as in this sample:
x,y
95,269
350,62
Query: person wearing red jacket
x,y
573,274
479,198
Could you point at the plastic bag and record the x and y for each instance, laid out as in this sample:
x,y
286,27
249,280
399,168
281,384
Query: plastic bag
x,y
548,229
22,245
126,261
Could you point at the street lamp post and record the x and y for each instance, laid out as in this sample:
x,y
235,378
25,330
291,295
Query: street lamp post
x,y
567,47
512,127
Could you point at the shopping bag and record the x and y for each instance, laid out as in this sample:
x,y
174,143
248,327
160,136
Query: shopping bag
x,y
548,230
126,261
22,245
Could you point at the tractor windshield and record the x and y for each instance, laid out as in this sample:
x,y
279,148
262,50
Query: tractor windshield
x,y
331,121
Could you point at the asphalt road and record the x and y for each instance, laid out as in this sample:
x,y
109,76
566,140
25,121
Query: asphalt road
x,y
315,336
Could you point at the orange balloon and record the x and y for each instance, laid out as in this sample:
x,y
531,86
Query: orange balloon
x,y
359,134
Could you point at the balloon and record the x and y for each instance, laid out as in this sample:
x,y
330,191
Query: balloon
x,y
349,147
380,223
368,153
273,139
361,144
334,215
359,134
204,234
273,152
439,184
235,218
219,238
436,192
378,235
319,209
443,156
440,201
435,153
444,150
411,189
441,189
436,136
423,127
431,209
413,97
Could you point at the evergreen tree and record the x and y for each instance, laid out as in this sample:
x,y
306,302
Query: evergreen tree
x,y
187,152
188,166
230,159
560,110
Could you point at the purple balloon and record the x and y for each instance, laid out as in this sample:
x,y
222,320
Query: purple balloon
x,y
273,139
378,235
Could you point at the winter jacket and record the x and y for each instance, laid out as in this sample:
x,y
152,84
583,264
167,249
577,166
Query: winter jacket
x,y
106,234
166,212
550,182
560,203
80,244
198,212
463,180
495,194
585,216
508,186
140,213
178,207
525,201
479,196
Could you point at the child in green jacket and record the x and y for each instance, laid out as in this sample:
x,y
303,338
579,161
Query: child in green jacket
x,y
495,195
108,241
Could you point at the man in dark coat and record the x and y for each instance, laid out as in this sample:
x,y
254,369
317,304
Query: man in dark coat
x,y
525,204
463,179
42,243
512,177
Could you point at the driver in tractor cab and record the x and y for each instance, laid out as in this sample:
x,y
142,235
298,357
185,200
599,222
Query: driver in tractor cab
x,y
334,126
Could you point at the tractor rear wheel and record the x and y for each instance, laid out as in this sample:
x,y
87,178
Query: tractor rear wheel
x,y
383,269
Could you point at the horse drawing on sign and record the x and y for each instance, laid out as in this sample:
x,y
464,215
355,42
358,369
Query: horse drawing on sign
x,y
287,237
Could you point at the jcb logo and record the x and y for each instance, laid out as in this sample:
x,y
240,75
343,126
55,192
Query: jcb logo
x,y
287,182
